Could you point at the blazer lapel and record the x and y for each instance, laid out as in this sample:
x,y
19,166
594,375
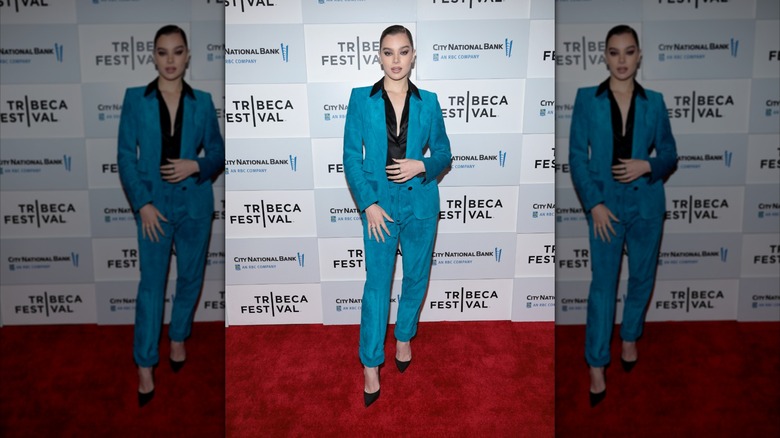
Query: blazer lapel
x,y
188,128
153,134
378,127
414,140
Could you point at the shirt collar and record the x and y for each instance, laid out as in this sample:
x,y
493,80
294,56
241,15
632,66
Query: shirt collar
x,y
185,88
380,85
638,89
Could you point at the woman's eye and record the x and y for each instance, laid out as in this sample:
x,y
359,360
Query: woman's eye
x,y
388,54
405,52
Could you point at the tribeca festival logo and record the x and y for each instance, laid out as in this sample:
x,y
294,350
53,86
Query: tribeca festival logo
x,y
14,5
470,209
470,161
699,106
358,54
40,214
688,298
245,4
257,110
470,51
34,165
132,52
692,209
695,161
29,111
691,51
41,262
582,53
275,304
268,262
266,214
48,304
473,106
464,299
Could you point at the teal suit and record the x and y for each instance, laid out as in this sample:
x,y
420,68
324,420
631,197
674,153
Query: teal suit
x,y
639,206
188,206
413,205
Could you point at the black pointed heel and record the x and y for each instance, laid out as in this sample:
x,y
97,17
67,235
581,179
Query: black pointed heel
x,y
145,397
402,366
176,365
597,397
627,366
371,397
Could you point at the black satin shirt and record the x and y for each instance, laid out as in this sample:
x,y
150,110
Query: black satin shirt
x,y
171,143
622,144
396,141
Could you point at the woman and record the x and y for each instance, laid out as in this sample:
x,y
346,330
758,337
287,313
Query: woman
x,y
396,190
615,126
164,127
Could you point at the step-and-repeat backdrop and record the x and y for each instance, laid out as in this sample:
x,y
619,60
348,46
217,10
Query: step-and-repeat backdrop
x,y
68,249
294,251
717,64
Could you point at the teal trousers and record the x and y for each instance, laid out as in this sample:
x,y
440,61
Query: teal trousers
x,y
190,238
416,237
641,237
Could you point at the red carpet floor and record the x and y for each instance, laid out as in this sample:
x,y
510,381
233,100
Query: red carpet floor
x,y
81,381
467,379
713,379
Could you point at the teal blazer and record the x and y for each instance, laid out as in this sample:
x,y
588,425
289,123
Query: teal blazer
x,y
590,149
365,149
140,149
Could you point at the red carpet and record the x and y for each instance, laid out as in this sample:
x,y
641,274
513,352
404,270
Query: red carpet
x,y
81,381
467,379
714,379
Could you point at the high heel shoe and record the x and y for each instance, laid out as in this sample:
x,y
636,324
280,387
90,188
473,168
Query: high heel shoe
x,y
627,365
597,397
176,365
402,366
371,397
144,398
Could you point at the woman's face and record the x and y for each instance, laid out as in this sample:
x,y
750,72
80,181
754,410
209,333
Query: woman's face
x,y
171,56
622,56
397,56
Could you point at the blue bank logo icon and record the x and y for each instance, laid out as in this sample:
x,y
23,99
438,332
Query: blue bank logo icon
x,y
285,52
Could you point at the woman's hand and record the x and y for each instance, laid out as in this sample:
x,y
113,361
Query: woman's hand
x,y
150,222
376,216
602,222
404,169
629,170
178,169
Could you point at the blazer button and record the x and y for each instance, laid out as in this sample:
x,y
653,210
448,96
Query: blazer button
x,y
184,189
409,188
636,188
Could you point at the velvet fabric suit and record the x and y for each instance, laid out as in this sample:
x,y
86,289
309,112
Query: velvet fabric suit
x,y
188,206
413,205
639,206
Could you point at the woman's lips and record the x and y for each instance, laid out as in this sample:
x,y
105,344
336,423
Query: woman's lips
x,y
396,69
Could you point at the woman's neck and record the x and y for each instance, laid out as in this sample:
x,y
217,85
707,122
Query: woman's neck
x,y
621,86
399,86
166,86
